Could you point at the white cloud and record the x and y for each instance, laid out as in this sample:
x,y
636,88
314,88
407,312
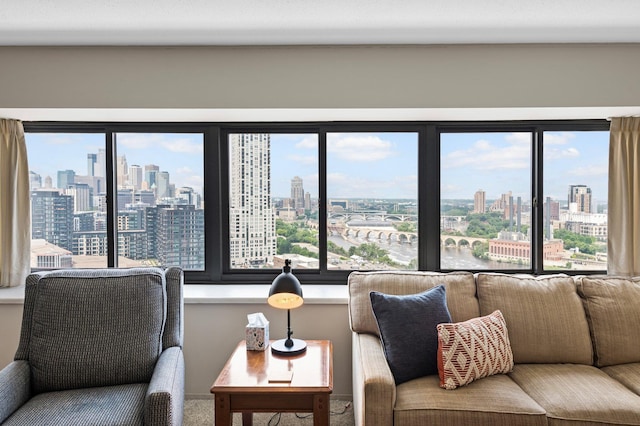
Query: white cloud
x,y
359,148
485,156
553,153
308,160
561,138
592,170
340,185
170,142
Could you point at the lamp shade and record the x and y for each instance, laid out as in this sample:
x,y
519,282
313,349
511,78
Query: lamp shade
x,y
285,291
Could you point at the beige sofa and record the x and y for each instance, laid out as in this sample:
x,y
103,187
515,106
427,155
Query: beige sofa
x,y
575,344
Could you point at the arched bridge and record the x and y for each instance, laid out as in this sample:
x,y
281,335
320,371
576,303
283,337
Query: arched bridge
x,y
388,234
451,240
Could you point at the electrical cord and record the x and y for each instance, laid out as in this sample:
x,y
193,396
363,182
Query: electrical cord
x,y
278,416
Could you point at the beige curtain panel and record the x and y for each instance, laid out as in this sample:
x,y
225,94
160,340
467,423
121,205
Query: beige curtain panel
x,y
15,209
624,197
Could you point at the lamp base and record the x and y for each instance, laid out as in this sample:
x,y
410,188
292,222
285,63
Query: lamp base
x,y
279,347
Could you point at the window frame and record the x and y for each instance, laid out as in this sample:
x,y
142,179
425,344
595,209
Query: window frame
x,y
216,185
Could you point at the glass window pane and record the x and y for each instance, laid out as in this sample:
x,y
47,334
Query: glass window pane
x,y
485,204
160,178
575,200
372,201
67,178
273,200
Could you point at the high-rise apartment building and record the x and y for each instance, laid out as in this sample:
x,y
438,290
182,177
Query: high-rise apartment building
x,y
52,217
252,231
480,201
297,193
581,196
179,235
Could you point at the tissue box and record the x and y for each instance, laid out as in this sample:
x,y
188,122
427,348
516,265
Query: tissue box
x,y
257,336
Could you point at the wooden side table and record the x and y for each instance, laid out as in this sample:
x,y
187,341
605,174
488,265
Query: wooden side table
x,y
244,383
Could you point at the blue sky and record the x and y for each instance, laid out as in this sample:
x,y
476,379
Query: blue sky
x,y
360,165
501,162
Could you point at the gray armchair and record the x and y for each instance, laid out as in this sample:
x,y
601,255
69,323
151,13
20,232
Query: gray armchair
x,y
98,347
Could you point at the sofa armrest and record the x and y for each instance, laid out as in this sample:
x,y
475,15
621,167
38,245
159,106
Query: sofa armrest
x,y
374,389
15,387
164,401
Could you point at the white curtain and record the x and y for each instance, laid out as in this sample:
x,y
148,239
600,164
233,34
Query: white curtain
x,y
15,210
624,197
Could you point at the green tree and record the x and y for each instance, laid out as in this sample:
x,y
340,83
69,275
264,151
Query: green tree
x,y
584,243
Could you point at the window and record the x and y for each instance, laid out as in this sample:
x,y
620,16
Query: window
x,y
273,200
575,200
485,204
68,189
372,201
230,202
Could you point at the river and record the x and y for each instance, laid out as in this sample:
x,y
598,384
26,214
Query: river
x,y
450,258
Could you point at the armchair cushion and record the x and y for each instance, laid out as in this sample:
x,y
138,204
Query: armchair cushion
x,y
108,405
89,330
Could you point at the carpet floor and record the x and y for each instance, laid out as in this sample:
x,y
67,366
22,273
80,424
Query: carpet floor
x,y
200,412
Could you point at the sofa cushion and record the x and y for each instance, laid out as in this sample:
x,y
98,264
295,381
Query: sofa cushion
x,y
473,349
408,330
574,394
460,288
492,401
611,305
91,329
627,374
544,316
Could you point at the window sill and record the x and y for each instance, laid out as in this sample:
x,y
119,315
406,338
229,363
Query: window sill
x,y
224,294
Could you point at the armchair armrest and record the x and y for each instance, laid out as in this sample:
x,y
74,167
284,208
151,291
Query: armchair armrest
x,y
15,387
374,389
164,401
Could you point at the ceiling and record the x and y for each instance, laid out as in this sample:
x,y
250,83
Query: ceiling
x,y
314,22
293,22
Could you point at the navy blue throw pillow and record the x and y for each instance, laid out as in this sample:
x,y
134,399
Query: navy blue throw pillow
x,y
408,331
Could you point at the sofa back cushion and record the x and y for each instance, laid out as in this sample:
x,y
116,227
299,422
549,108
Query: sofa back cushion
x,y
612,305
459,286
544,316
94,327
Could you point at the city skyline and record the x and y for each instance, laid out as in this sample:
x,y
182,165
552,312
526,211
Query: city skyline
x,y
360,165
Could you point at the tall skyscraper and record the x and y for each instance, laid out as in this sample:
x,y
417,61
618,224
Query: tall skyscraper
x,y
150,172
122,171
297,193
92,159
251,216
480,201
163,189
65,178
135,176
82,196
581,196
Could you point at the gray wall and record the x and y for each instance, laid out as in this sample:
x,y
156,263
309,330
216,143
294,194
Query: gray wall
x,y
459,76
482,76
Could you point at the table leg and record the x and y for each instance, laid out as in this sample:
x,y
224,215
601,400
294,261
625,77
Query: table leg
x,y
321,410
247,419
223,410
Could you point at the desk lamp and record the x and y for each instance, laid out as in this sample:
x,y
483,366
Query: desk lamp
x,y
286,293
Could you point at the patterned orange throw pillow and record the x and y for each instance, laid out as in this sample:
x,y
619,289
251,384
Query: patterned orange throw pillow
x,y
473,349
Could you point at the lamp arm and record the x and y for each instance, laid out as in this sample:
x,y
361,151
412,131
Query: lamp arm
x,y
289,343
